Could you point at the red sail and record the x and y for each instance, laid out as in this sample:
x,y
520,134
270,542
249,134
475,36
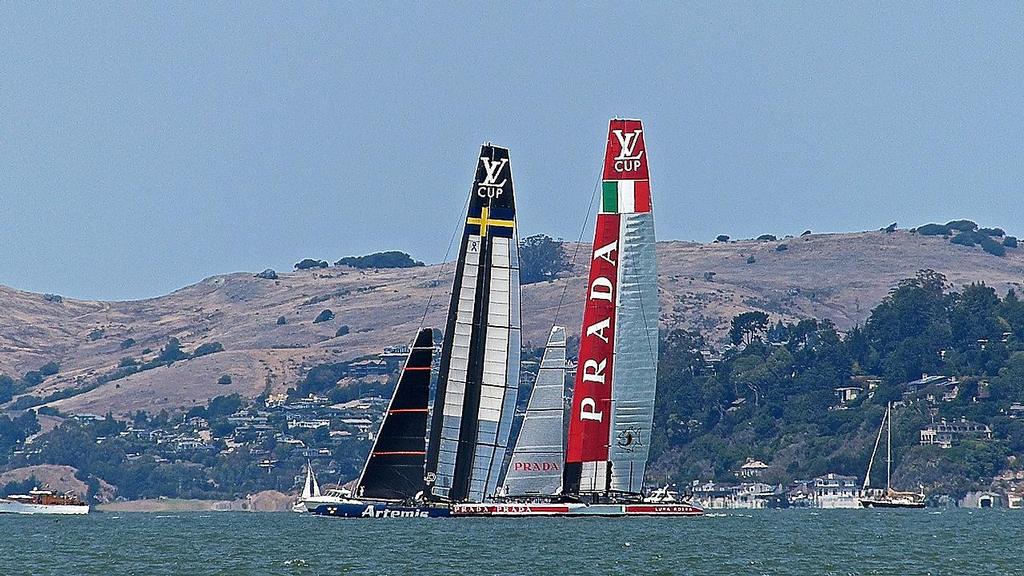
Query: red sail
x,y
626,156
591,402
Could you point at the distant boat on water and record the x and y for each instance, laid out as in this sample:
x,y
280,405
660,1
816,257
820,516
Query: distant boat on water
x,y
310,490
888,498
39,501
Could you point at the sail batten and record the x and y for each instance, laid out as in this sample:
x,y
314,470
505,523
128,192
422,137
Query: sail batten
x,y
479,377
613,401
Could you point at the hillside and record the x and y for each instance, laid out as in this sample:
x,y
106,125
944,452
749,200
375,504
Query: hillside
x,y
836,276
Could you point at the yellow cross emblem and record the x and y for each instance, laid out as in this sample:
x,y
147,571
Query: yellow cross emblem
x,y
483,221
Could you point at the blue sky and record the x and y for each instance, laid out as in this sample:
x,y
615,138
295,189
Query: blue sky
x,y
146,146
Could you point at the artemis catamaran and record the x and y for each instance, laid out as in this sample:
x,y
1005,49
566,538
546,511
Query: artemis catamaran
x,y
613,397
406,473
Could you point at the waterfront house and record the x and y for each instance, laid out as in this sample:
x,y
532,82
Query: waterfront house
x,y
728,496
836,491
982,499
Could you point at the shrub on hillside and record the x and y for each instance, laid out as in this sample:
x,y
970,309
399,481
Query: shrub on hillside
x,y
781,248
324,316
281,320
767,238
1010,241
270,273
224,379
171,352
342,330
962,225
96,334
722,238
127,343
127,361
999,232
208,348
8,387
965,238
933,230
388,259
49,369
993,247
307,263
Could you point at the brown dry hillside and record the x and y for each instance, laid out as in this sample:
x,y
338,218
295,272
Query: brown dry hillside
x,y
835,276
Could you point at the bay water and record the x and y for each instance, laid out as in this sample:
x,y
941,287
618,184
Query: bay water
x,y
742,542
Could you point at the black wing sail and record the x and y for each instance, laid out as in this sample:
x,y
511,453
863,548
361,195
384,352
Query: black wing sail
x,y
394,468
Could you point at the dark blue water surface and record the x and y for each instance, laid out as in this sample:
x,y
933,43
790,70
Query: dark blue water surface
x,y
775,542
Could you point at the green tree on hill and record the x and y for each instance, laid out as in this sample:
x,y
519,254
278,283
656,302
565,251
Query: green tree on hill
x,y
540,258
389,259
746,327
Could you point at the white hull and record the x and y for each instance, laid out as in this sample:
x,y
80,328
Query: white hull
x,y
575,509
9,507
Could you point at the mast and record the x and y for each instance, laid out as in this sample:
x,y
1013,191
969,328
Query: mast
x,y
536,465
394,468
478,382
881,425
613,398
888,448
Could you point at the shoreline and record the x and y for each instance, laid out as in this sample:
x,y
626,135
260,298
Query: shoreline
x,y
266,501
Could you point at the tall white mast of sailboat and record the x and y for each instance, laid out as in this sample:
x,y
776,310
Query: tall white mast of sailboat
x,y
878,439
888,448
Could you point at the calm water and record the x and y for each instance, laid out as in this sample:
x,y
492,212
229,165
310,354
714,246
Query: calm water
x,y
955,542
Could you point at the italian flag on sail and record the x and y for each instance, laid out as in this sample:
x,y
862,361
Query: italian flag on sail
x,y
624,196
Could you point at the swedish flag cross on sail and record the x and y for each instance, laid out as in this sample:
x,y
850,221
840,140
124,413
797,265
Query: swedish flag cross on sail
x,y
494,221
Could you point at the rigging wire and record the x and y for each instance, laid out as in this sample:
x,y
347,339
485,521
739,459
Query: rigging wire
x,y
579,241
440,269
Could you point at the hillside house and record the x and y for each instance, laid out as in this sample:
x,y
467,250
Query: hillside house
x,y
945,434
752,469
846,395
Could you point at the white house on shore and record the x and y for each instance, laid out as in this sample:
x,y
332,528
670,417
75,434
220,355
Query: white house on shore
x,y
836,491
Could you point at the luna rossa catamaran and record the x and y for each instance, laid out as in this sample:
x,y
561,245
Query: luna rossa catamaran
x,y
408,473
613,397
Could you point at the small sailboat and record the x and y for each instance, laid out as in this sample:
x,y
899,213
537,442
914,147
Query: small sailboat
x,y
310,490
888,498
613,398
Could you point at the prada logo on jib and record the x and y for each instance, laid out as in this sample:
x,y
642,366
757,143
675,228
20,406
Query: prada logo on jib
x,y
626,160
491,187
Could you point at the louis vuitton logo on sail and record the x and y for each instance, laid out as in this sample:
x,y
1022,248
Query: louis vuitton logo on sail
x,y
490,187
625,160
